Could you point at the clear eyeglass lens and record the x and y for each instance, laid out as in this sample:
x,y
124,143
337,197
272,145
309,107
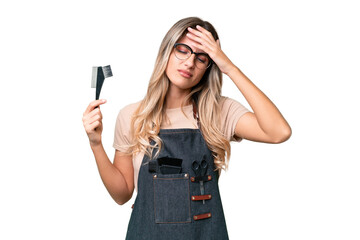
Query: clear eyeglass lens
x,y
182,52
202,61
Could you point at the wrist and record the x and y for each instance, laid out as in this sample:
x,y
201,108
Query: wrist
x,y
232,71
95,145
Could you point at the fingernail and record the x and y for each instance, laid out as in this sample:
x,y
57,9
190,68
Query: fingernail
x,y
104,100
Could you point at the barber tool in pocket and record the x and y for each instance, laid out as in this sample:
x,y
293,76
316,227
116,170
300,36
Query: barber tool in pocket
x,y
168,165
200,171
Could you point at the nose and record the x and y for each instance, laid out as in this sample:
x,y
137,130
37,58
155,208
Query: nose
x,y
190,62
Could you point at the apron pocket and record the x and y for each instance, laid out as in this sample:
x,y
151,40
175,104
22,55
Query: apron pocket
x,y
171,198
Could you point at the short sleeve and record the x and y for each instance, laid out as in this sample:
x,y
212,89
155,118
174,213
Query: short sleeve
x,y
231,112
122,136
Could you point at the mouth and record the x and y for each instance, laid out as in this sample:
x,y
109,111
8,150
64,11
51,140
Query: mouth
x,y
184,73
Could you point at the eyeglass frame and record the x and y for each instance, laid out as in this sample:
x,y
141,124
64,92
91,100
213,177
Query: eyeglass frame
x,y
192,52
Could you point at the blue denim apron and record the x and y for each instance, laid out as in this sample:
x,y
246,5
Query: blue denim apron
x,y
171,206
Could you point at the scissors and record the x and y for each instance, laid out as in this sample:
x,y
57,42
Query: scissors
x,y
200,171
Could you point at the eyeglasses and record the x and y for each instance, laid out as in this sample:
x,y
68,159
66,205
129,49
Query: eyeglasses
x,y
183,52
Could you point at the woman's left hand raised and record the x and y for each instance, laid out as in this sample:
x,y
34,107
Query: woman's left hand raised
x,y
205,41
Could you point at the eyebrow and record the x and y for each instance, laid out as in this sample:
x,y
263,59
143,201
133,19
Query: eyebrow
x,y
192,48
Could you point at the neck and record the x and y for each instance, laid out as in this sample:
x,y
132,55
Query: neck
x,y
175,97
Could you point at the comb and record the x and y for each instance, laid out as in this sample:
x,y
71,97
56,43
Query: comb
x,y
98,77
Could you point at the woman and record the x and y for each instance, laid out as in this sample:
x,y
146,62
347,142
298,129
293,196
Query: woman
x,y
172,145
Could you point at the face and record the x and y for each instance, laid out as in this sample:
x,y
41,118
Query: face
x,y
183,74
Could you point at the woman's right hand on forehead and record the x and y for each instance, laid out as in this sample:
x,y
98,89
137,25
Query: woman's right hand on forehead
x,y
92,121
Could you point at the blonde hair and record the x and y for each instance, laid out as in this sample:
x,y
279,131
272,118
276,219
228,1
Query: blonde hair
x,y
149,115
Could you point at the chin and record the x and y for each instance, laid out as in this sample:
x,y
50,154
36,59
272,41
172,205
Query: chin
x,y
181,86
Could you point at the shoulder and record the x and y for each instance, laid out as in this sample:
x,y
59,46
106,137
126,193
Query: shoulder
x,y
130,108
227,104
125,115
231,111
122,136
225,100
123,124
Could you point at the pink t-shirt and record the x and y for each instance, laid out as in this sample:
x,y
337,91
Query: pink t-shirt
x,y
231,110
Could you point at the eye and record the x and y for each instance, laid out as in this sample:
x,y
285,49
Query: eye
x,y
203,58
182,49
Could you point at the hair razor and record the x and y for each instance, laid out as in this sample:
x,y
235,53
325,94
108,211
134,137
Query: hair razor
x,y
98,76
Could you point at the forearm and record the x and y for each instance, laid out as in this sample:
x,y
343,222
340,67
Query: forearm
x,y
112,178
267,114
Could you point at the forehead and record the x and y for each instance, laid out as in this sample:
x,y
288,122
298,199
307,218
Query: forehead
x,y
190,43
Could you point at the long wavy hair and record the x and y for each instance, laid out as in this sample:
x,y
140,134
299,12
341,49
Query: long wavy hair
x,y
206,94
